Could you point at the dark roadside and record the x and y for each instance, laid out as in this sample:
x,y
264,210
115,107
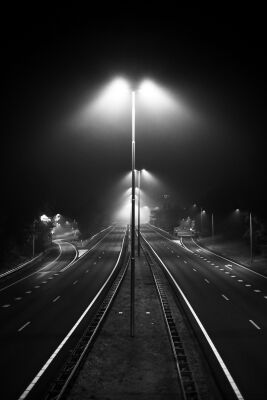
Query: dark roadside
x,y
121,367
238,251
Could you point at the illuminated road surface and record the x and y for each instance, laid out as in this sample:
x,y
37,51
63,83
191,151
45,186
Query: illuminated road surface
x,y
39,307
231,303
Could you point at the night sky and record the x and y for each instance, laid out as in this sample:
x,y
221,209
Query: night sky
x,y
54,62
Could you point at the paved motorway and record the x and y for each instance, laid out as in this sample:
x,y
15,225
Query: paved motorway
x,y
40,305
230,302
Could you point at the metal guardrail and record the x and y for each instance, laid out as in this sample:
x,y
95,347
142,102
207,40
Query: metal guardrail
x,y
185,375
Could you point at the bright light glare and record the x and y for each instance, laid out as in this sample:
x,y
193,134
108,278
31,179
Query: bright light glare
x,y
113,98
152,96
123,216
45,218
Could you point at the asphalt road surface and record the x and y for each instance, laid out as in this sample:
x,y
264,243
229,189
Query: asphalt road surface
x,y
40,307
230,302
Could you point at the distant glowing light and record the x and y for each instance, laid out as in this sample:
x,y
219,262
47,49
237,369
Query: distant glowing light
x,y
45,218
57,217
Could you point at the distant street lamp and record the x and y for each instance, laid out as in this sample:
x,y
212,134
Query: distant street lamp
x,y
212,226
139,201
251,237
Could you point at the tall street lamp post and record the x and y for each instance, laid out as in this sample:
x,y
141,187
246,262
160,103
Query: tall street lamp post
x,y
212,226
250,237
133,218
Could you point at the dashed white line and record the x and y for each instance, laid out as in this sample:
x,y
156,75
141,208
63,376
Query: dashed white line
x,y
28,291
240,280
228,266
6,306
194,270
253,323
233,276
24,326
257,290
247,285
227,272
206,280
18,298
74,283
56,299
265,297
44,282
185,262
36,287
225,297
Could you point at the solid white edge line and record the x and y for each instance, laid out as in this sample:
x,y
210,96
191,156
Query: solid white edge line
x,y
36,272
227,259
215,351
19,266
51,358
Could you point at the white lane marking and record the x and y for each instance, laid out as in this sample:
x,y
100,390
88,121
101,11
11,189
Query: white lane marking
x,y
194,270
36,287
24,326
74,283
257,290
247,285
253,323
44,282
6,305
206,280
86,271
212,264
215,351
56,299
226,298
233,262
185,262
240,280
208,261
50,277
18,298
178,256
216,266
227,272
233,276
221,269
28,291
228,266
51,358
265,297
